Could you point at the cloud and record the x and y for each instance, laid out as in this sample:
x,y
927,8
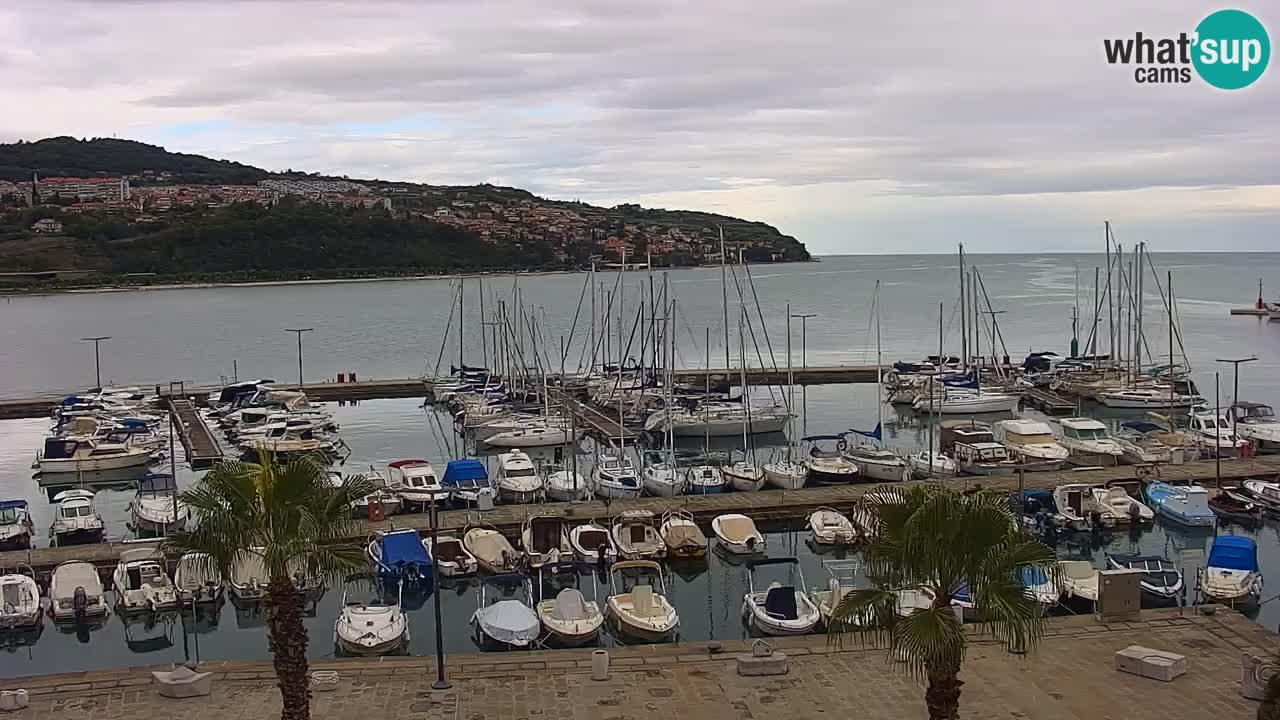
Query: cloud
x,y
833,119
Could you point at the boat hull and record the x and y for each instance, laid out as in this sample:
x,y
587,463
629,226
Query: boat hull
x,y
390,647
783,480
821,477
517,497
78,537
638,633
877,471
86,465
563,494
729,428
617,492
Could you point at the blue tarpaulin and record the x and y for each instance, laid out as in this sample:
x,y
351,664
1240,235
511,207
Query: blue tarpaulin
x,y
404,549
1233,552
465,473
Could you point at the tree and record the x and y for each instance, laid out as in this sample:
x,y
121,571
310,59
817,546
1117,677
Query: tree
x,y
303,524
1269,708
939,542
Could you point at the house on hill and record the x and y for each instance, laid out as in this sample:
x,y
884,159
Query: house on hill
x,y
47,226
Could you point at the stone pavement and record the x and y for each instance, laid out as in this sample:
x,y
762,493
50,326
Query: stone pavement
x,y
1069,677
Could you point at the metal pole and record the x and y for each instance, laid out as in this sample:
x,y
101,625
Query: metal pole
x,y
1217,438
97,359
298,332
173,467
1235,388
441,683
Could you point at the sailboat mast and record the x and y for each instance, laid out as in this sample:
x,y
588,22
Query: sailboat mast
x,y
706,376
592,282
879,361
724,299
933,391
964,329
462,294
1111,332
791,388
746,394
1170,284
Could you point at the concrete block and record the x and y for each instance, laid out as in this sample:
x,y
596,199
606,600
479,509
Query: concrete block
x,y
1253,676
762,660
1150,663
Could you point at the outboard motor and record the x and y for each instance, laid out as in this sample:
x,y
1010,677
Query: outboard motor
x,y
80,603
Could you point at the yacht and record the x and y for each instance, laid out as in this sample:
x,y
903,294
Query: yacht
x,y
1140,444
828,466
1213,433
614,476
959,401
414,481
1031,443
1147,398
1258,423
1087,442
877,464
518,480
15,525
75,521
68,455
156,507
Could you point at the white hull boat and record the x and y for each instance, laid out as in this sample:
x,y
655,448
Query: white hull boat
x,y
543,436
615,477
924,466
589,540
491,550
785,475
1146,399
568,619
1231,575
197,580
780,609
1031,443
1079,579
709,479
518,480
829,527
367,629
414,482
249,576
75,520
20,607
663,479
683,537
877,465
450,556
69,455
76,594
968,403
141,583
567,486
1257,423
737,534
640,612
1088,443
635,537
1117,503
545,541
505,624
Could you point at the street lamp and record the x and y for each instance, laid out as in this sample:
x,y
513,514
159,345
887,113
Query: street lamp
x,y
298,332
1235,392
441,683
97,361
804,365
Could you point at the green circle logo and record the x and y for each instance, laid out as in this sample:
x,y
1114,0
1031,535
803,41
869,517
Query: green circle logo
x,y
1232,49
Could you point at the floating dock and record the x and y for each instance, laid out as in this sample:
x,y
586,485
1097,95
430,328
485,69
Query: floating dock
x,y
599,425
1048,401
199,443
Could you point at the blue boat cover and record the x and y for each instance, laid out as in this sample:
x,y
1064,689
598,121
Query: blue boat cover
x,y
1233,552
1141,426
404,549
6,504
465,473
1033,576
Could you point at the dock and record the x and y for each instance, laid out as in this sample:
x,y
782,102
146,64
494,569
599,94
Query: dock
x,y
1048,402
599,425
199,443
764,505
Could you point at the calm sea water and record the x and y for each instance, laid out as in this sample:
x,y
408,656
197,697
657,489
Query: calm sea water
x,y
394,329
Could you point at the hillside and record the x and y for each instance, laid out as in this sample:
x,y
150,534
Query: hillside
x,y
69,157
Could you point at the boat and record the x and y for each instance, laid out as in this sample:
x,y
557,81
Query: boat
x,y
84,455
491,550
829,527
661,477
75,521
450,556
141,583
1161,580
925,465
197,580
827,466
568,619
504,623
1079,579
1213,434
1031,443
1257,423
779,609
683,537
545,540
737,534
1140,444
960,401
75,593
15,525
1087,442
975,449
614,476
566,486
156,507
518,480
1184,504
20,607
1147,398
1080,507
877,464
1266,493
249,576
1231,575
840,582
741,476
1119,505
706,480
535,436
783,475
637,611
1231,507
371,627
379,503
467,481
1041,587
635,537
590,541
399,556
414,481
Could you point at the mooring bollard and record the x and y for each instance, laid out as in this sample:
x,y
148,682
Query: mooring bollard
x,y
600,665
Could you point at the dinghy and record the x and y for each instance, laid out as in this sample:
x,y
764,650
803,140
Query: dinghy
x,y
683,537
502,623
141,583
76,594
491,550
829,527
737,534
450,556
196,580
568,619
589,541
545,540
371,627
637,612
635,537
1231,575
19,602
399,556
1232,507
781,608
75,521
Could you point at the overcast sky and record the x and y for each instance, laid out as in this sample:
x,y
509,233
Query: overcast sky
x,y
856,126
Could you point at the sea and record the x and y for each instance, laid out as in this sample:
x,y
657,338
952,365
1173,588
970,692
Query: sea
x,y
407,328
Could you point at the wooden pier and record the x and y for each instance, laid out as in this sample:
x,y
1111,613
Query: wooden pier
x,y
1048,402
764,505
599,425
199,443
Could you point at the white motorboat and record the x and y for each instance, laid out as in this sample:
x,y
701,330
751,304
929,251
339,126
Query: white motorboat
x,y
924,465
1214,436
141,583
1231,575
540,435
450,556
1140,444
1266,493
877,464
76,594
1257,423
589,540
737,534
518,480
19,602
1119,505
709,479
249,576
565,485
378,504
661,477
15,525
1079,579
545,540
713,419
1147,398
683,537
156,507
372,626
1088,443
779,609
491,550
70,455
75,521
1031,443
614,476
829,527
415,482
568,619
197,580
828,466
785,475
505,622
1080,508
957,401
638,611
635,537
1159,578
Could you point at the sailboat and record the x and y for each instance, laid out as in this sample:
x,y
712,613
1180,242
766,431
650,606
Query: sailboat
x,y
788,473
744,475
932,463
660,476
877,463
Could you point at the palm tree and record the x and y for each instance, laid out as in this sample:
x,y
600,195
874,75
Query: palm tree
x,y
303,524
938,542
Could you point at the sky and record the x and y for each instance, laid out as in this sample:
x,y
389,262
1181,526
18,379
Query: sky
x,y
858,127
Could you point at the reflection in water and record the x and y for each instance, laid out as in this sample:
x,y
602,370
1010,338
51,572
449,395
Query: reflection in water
x,y
149,632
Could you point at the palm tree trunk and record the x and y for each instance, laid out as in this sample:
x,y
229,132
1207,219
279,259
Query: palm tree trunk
x,y
943,694
287,639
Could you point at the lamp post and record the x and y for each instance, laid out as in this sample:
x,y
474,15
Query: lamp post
x,y
441,683
298,332
97,359
1235,391
804,364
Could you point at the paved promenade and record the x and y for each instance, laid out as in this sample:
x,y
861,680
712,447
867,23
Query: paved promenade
x,y
1070,677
